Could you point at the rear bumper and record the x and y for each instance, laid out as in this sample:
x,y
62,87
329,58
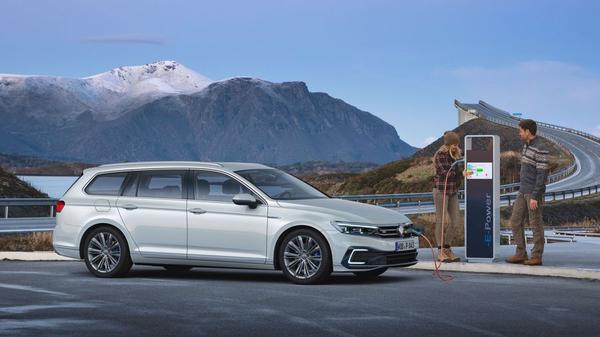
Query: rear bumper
x,y
67,251
364,258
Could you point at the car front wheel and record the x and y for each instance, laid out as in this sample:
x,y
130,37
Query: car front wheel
x,y
304,257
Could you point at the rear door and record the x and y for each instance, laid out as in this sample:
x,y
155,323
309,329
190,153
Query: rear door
x,y
153,208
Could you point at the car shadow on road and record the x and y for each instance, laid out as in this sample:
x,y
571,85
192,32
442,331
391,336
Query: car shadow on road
x,y
263,276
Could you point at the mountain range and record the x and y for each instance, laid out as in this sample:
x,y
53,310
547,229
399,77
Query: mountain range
x,y
165,111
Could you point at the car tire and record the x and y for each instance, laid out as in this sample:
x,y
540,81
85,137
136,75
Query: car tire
x,y
177,268
370,274
106,252
304,257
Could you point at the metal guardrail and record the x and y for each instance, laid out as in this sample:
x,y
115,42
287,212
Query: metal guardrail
x,y
393,200
529,236
375,199
6,202
506,188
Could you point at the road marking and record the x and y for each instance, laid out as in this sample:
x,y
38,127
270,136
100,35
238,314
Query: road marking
x,y
17,324
22,309
10,272
32,289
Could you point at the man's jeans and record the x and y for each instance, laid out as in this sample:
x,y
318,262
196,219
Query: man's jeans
x,y
521,213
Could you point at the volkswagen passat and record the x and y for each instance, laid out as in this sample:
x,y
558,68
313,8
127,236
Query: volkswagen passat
x,y
186,214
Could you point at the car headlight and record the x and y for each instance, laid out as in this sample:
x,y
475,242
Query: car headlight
x,y
354,228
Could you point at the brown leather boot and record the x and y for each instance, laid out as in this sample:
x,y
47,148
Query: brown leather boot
x,y
534,261
517,258
451,256
442,257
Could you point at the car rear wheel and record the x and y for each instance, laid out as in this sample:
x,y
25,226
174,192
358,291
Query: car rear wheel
x,y
106,252
370,274
304,257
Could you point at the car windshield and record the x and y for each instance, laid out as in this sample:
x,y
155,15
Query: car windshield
x,y
279,185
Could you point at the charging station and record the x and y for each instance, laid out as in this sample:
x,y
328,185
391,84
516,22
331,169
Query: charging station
x,y
482,198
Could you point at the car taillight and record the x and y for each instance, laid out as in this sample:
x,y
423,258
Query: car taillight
x,y
59,206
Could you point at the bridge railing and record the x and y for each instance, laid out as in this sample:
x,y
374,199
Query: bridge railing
x,y
547,125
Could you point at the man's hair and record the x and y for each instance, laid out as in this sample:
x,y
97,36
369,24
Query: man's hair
x,y
528,124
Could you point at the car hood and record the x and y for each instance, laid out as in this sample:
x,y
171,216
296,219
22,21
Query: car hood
x,y
345,210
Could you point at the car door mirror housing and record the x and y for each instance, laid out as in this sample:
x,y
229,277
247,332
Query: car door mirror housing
x,y
245,199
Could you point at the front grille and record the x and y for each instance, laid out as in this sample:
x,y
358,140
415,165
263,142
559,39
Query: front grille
x,y
394,231
378,258
401,257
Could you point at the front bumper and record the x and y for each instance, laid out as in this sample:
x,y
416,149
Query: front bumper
x,y
365,258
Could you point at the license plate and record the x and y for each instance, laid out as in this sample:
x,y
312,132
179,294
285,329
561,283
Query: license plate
x,y
405,245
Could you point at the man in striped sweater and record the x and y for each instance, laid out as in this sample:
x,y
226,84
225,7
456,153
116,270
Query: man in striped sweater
x,y
528,206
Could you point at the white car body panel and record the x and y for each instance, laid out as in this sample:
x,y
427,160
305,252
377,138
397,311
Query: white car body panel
x,y
165,231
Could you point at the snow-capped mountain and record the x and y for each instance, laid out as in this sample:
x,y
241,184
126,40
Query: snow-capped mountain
x,y
164,77
106,95
164,111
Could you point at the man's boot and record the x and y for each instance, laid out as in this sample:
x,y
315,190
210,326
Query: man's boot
x,y
534,261
517,258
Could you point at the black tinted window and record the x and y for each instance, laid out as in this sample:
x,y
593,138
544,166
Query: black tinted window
x,y
161,185
106,184
216,186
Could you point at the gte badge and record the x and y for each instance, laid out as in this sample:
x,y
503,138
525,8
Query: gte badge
x,y
482,197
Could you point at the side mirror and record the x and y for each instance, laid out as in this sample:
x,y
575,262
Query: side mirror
x,y
245,199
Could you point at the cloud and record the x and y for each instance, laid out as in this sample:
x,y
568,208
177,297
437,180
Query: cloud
x,y
125,39
551,91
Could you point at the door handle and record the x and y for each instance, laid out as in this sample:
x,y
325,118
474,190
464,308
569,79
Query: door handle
x,y
197,211
129,207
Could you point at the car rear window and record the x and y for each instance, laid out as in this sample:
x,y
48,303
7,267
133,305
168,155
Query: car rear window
x,y
106,184
161,185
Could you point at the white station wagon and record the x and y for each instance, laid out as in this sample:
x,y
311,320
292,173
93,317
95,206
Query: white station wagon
x,y
181,215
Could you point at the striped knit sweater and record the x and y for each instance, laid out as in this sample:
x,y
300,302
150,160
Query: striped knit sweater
x,y
534,168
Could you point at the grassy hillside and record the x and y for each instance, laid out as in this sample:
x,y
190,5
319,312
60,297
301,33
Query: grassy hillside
x,y
415,174
321,168
34,165
13,187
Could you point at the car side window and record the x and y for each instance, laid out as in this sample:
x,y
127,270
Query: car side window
x,y
161,184
106,184
214,186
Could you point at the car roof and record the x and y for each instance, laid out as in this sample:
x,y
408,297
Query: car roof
x,y
225,166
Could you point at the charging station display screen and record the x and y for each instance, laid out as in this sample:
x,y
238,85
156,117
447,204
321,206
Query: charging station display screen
x,y
481,170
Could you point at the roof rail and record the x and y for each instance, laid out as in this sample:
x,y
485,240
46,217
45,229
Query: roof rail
x,y
140,163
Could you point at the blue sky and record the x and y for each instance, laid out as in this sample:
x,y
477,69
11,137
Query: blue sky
x,y
404,61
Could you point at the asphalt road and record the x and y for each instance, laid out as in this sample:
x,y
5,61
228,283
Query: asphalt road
x,y
63,299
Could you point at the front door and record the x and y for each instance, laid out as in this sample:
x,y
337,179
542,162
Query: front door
x,y
218,229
